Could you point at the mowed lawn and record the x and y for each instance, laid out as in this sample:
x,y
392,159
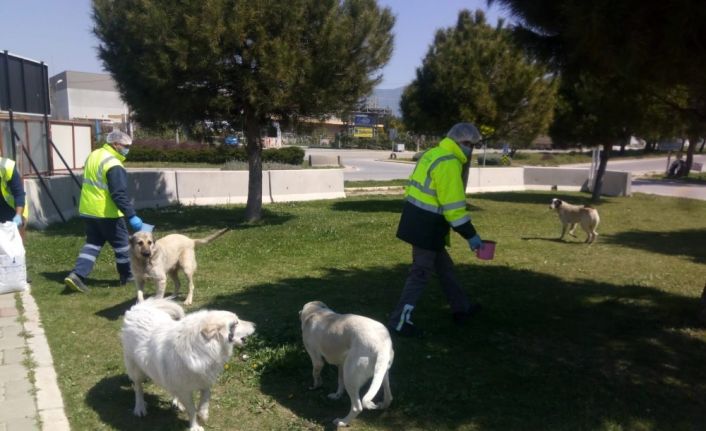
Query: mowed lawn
x,y
571,337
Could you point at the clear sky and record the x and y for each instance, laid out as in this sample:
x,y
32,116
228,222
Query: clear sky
x,y
58,32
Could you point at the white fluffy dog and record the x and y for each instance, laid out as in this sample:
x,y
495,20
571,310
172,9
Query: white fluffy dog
x,y
359,346
181,353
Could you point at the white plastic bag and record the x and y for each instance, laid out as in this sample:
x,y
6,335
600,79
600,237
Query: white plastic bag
x,y
13,271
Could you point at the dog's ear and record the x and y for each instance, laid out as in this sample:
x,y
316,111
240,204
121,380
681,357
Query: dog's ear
x,y
211,328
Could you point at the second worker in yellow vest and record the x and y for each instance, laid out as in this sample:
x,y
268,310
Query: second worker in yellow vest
x,y
105,206
435,202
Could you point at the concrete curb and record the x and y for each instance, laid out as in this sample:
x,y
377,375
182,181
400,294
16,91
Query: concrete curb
x,y
50,404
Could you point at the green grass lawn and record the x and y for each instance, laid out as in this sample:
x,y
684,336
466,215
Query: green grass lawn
x,y
572,337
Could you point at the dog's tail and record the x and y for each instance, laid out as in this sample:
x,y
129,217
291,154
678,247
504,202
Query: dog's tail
x,y
382,365
166,305
210,237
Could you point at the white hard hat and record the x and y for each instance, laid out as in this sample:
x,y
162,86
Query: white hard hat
x,y
464,132
118,137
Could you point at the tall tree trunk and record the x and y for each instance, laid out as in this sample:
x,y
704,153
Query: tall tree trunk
x,y
650,146
703,142
253,209
693,139
602,165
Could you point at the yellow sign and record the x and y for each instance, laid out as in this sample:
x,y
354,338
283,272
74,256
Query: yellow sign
x,y
362,132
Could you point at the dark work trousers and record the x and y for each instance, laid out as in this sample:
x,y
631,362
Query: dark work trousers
x,y
98,231
424,262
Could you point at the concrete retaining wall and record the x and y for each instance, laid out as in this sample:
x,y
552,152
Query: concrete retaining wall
x,y
539,178
305,185
158,188
153,189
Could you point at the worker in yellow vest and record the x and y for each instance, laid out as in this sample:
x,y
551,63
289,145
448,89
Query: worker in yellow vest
x,y
104,207
12,197
435,202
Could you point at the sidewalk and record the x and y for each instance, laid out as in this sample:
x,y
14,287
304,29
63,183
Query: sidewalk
x,y
25,357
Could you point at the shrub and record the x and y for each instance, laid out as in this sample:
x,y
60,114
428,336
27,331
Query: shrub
x,y
157,150
287,155
490,160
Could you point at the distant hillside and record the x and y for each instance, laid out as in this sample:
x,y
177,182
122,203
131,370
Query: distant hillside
x,y
387,98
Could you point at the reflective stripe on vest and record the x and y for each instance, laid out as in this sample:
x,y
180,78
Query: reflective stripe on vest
x,y
95,193
440,164
7,168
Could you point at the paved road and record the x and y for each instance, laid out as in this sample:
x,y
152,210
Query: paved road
x,y
376,165
640,167
369,164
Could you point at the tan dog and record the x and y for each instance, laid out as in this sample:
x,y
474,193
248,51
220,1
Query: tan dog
x,y
570,215
360,347
157,259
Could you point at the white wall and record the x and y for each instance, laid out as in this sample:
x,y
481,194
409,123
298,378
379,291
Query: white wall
x,y
94,104
157,188
74,143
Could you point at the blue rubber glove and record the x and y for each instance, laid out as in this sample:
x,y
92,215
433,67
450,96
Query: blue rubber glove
x,y
17,219
475,242
135,222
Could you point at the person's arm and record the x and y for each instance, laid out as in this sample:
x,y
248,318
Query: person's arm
x,y
117,185
452,197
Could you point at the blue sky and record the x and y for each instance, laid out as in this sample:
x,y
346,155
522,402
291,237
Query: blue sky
x,y
58,32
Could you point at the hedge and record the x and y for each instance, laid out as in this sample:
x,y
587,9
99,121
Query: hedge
x,y
164,151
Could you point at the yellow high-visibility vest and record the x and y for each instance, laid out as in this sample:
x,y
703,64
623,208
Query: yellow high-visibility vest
x,y
95,195
436,184
7,169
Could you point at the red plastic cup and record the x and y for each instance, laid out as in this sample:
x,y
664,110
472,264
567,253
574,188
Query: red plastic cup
x,y
486,251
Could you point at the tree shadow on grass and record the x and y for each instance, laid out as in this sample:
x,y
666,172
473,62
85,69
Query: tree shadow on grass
x,y
183,219
543,198
689,242
113,399
391,205
116,311
543,354
58,278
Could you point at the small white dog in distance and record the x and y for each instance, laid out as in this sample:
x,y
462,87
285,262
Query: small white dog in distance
x,y
570,215
360,347
181,353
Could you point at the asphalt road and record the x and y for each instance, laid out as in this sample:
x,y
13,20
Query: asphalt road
x,y
376,165
640,167
369,164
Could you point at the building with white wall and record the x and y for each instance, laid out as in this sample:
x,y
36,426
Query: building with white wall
x,y
86,96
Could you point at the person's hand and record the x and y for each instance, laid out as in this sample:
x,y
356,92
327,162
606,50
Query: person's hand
x,y
17,219
135,222
475,242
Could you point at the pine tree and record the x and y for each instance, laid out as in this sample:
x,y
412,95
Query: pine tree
x,y
473,72
226,60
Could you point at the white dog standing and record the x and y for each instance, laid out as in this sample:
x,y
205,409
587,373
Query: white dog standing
x,y
181,353
359,346
570,215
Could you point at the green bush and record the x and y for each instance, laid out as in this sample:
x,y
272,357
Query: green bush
x,y
490,160
287,155
155,150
